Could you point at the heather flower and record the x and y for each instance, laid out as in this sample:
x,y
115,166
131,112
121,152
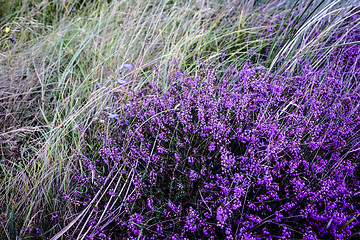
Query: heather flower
x,y
190,223
193,175
111,193
121,82
112,116
221,216
135,222
212,146
150,204
32,232
128,66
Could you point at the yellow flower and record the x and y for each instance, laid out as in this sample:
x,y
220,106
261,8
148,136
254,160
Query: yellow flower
x,y
7,30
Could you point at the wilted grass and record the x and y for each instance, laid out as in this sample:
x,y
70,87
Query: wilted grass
x,y
48,92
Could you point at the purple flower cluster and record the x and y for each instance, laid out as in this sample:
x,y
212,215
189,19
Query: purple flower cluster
x,y
235,154
31,233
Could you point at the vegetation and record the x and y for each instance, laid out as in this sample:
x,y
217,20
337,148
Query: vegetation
x,y
179,119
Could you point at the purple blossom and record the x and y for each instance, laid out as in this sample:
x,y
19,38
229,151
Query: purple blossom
x,y
193,175
121,82
150,204
190,223
221,216
112,116
128,66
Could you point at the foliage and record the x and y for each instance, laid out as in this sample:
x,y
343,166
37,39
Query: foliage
x,y
71,72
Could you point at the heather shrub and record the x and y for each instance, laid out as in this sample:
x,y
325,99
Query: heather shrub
x,y
230,154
